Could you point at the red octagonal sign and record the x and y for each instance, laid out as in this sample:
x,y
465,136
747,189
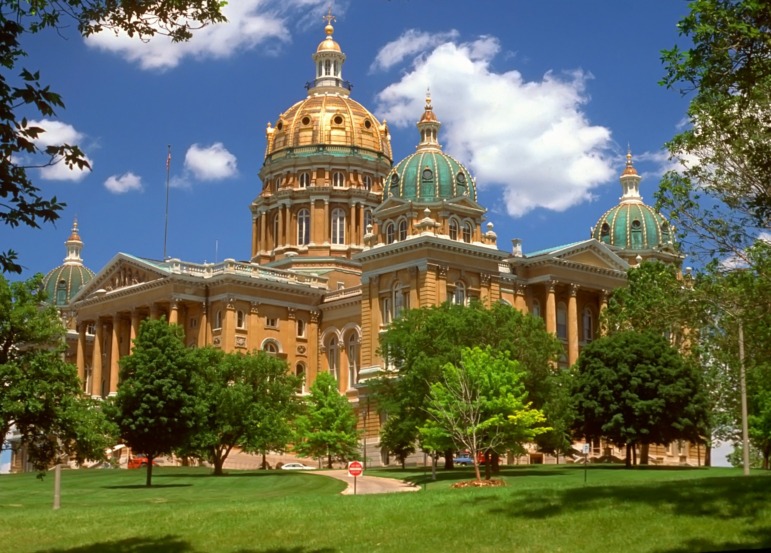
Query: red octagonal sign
x,y
355,468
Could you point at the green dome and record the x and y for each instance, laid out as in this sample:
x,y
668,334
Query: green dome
x,y
63,282
429,176
633,226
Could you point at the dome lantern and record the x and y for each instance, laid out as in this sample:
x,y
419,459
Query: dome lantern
x,y
630,181
328,61
63,282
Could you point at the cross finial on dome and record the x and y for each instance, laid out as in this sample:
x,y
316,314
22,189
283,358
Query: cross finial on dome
x,y
329,18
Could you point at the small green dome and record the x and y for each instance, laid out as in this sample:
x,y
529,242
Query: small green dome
x,y
428,176
633,226
62,283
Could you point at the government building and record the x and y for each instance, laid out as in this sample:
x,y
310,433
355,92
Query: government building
x,y
343,239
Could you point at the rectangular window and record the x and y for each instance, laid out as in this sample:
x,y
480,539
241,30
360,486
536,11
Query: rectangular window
x,y
271,322
386,313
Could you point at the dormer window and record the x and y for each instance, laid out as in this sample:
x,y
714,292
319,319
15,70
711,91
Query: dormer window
x,y
427,174
605,233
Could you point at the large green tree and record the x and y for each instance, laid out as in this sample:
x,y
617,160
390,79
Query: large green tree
x,y
41,396
634,388
421,342
23,96
481,405
327,427
249,402
719,196
157,407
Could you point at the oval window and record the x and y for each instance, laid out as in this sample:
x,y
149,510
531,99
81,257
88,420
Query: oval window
x,y
280,125
337,120
306,120
367,124
427,174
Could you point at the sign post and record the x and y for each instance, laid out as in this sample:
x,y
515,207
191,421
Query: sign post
x,y
355,469
586,453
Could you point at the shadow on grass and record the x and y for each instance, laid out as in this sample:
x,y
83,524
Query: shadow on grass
x,y
165,544
144,487
288,550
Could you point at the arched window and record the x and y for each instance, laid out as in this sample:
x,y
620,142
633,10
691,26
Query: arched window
x,y
535,309
218,320
367,182
394,184
61,292
587,320
240,319
300,328
299,372
338,226
327,67
403,229
271,347
636,238
305,180
303,227
562,321
459,294
338,179
333,356
453,229
605,233
352,350
277,183
367,219
390,233
275,229
467,232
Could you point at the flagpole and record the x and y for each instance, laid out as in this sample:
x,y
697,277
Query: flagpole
x,y
166,225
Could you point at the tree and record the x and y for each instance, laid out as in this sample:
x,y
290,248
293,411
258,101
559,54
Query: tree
x,y
156,407
327,428
422,341
40,394
24,96
719,193
634,388
480,404
249,401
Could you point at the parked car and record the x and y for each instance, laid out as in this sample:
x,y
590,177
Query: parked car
x,y
296,466
139,460
463,459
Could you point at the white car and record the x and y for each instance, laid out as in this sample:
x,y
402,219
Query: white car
x,y
296,466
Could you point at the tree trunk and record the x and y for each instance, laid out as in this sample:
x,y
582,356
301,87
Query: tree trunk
x,y
628,461
329,461
644,450
448,464
496,462
488,472
707,454
264,464
476,469
218,462
149,474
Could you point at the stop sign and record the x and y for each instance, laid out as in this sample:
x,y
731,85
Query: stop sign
x,y
355,468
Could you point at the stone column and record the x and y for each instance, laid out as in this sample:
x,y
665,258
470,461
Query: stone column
x,y
313,342
154,311
519,298
80,354
114,355
327,223
229,326
279,240
551,308
441,283
174,311
96,360
263,246
573,325
204,336
134,329
255,236
288,225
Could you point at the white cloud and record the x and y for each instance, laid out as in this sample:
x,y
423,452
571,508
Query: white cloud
x,y
411,42
58,133
120,184
249,23
210,162
531,139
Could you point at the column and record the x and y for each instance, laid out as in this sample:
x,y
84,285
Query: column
x,y
114,355
288,225
441,284
174,311
229,326
134,329
551,308
96,361
263,232
80,354
153,311
572,325
519,298
327,234
255,236
204,337
280,227
350,238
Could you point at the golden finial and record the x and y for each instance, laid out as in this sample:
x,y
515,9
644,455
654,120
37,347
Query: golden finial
x,y
428,97
329,18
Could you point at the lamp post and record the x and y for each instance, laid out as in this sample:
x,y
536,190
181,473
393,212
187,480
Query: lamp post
x,y
743,389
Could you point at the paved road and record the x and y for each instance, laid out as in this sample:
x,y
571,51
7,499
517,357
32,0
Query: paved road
x,y
368,484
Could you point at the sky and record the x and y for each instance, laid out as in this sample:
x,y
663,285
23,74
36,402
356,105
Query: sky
x,y
540,100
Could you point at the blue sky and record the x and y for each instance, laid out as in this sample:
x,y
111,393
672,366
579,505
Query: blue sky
x,y
538,99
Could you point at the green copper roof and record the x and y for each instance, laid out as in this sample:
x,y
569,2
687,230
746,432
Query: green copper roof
x,y
429,176
633,226
63,282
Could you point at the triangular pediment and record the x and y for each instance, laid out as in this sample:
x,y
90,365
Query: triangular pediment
x,y
590,253
123,271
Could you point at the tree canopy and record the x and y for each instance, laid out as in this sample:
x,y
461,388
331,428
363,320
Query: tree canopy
x,y
157,407
41,396
23,96
634,388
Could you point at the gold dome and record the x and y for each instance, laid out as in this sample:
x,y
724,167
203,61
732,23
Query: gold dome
x,y
328,120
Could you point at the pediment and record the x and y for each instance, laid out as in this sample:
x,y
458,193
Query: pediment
x,y
123,271
590,253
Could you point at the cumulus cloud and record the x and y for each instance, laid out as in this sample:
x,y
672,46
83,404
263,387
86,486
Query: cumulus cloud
x,y
249,23
410,43
120,184
57,133
529,138
213,162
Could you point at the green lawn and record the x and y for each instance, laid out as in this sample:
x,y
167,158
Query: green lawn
x,y
542,509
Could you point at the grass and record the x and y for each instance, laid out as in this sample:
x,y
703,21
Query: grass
x,y
542,508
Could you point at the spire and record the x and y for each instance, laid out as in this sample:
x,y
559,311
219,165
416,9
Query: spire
x,y
429,127
328,60
74,246
630,181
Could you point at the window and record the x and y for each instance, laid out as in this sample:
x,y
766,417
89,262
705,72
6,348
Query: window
x,y
305,180
327,67
367,182
535,309
271,346
401,299
338,179
460,181
562,322
427,174
277,183
636,238
275,228
193,322
271,322
303,227
453,229
299,372
403,229
385,311
240,319
338,226
333,356
390,233
90,329
61,293
353,360
394,184
300,328
218,320
467,232
605,233
459,294
587,320
367,219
